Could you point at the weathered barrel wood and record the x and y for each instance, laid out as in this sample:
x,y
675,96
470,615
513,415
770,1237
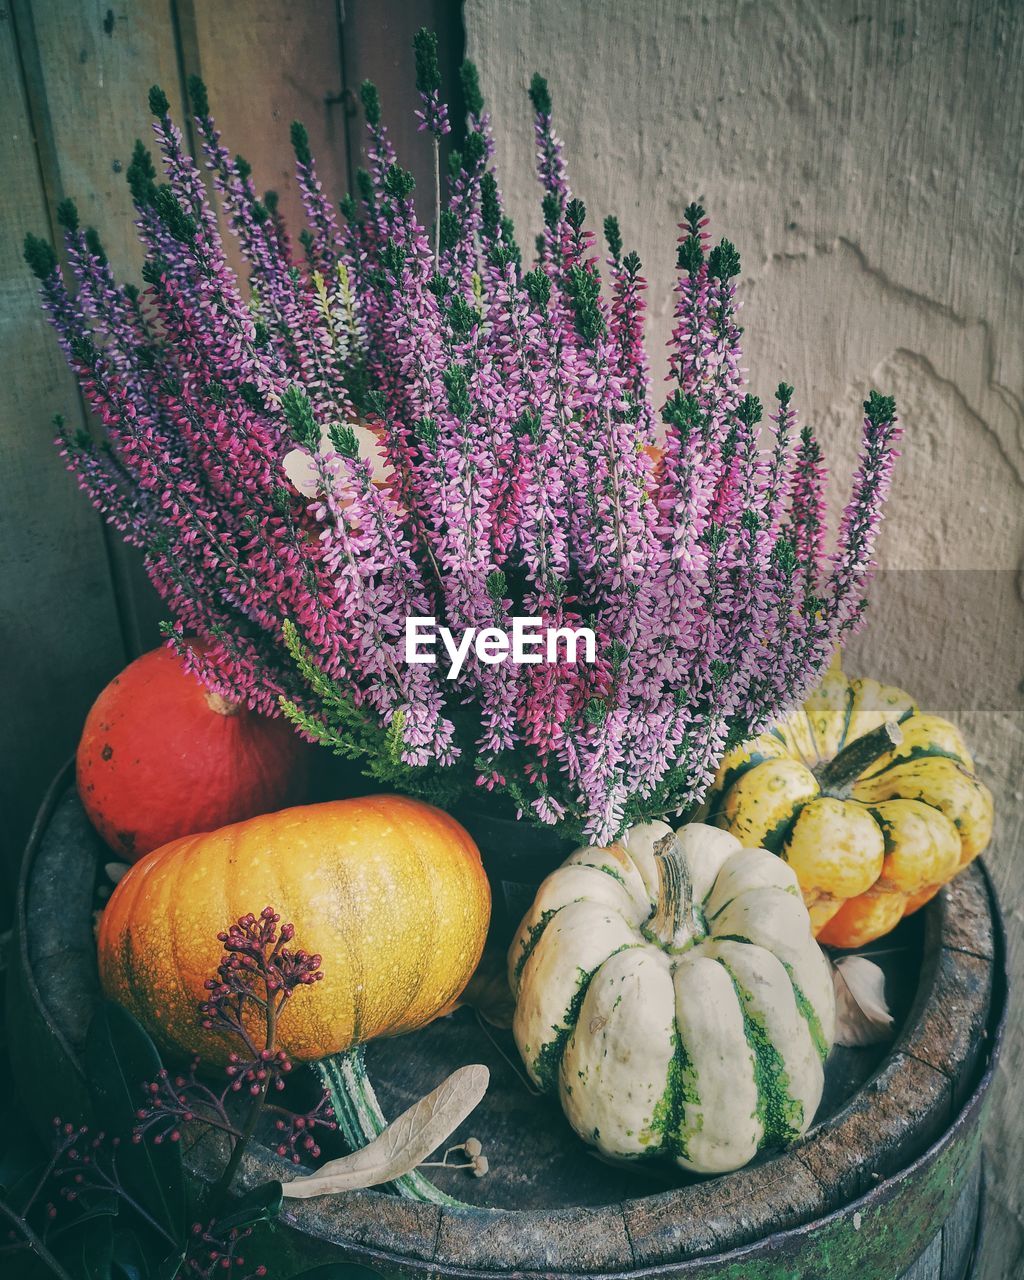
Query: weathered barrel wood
x,y
959,1237
887,1179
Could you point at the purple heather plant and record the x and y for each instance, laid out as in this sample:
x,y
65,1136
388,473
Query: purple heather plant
x,y
529,471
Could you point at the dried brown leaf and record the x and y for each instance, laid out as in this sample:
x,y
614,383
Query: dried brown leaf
x,y
404,1144
862,1015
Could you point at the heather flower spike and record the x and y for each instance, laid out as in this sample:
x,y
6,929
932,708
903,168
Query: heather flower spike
x,y
411,418
433,115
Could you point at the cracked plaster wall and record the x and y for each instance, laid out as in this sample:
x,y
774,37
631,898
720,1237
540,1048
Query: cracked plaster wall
x,y
867,161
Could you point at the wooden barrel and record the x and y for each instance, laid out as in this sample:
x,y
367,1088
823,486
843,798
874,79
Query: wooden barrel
x,y
887,1183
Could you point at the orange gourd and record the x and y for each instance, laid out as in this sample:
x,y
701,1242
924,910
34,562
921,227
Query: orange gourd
x,y
162,757
389,891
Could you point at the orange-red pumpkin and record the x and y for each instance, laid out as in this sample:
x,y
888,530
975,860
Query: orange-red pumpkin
x,y
388,890
162,757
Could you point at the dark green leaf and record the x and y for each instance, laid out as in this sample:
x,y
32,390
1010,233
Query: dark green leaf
x,y
258,1205
17,1194
169,1268
98,1249
119,1060
129,1260
21,1155
100,1204
29,1267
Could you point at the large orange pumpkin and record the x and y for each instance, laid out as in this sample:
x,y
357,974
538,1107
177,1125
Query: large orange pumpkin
x,y
388,890
162,757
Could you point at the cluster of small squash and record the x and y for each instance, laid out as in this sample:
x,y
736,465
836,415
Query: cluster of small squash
x,y
668,987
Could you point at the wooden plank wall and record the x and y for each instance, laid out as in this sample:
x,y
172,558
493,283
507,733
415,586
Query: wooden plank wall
x,y
74,604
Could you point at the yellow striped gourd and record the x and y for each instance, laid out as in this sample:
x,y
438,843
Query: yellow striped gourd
x,y
872,802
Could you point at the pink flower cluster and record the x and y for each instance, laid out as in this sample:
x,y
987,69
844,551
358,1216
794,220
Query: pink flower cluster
x,y
530,470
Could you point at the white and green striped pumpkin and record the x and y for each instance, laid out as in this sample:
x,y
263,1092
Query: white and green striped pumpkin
x,y
670,989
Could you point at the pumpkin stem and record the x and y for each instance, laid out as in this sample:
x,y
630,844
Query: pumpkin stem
x,y
221,705
675,893
836,778
360,1118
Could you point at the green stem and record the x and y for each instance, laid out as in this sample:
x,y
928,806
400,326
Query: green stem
x,y
114,1186
360,1118
437,203
675,893
836,778
223,1186
34,1242
239,1149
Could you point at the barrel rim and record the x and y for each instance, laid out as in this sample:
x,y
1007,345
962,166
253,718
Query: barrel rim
x,y
429,1217
52,796
262,1163
744,1253
772,1243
